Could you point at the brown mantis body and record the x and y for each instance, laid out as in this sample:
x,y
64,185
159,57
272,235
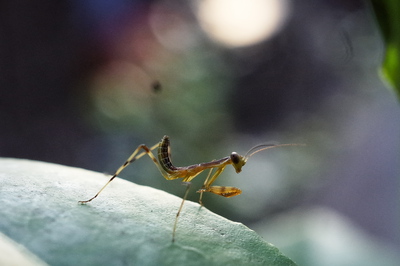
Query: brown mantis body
x,y
170,172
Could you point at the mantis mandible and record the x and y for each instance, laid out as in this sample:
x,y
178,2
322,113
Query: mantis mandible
x,y
170,172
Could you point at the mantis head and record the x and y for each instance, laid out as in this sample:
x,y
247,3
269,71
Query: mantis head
x,y
237,161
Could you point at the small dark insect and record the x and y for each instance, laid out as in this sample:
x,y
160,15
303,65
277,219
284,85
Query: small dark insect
x,y
156,86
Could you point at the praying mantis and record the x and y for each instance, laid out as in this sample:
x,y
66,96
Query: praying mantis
x,y
171,172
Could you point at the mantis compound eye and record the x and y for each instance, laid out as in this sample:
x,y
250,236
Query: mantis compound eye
x,y
235,158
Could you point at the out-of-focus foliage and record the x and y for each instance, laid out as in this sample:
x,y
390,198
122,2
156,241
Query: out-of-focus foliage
x,y
387,13
318,237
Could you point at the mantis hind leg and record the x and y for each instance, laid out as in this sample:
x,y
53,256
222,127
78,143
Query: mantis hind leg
x,y
130,160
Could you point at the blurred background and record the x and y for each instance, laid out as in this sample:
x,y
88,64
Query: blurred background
x,y
79,86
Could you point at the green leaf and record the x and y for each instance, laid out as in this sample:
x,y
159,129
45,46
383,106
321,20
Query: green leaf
x,y
14,254
387,13
127,224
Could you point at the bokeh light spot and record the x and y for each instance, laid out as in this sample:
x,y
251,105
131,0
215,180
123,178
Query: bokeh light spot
x,y
238,23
